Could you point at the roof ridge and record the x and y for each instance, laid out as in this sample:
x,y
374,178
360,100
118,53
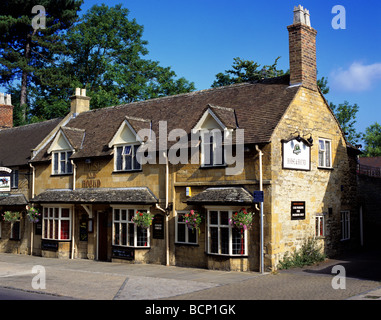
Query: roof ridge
x,y
31,124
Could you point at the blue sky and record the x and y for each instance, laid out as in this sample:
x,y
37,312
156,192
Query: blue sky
x,y
200,38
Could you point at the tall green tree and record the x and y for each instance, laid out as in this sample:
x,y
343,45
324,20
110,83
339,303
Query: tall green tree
x,y
372,139
30,41
245,71
346,115
106,56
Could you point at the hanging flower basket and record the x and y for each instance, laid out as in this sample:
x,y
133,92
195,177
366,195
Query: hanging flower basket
x,y
242,220
10,216
193,220
33,214
142,219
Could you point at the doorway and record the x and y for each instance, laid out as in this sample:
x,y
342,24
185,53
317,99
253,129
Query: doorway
x,y
102,236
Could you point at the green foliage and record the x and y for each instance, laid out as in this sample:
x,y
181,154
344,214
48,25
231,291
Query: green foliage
x,y
246,70
193,220
310,253
143,219
242,219
10,216
346,115
372,139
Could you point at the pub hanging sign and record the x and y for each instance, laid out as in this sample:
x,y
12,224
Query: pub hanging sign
x,y
296,154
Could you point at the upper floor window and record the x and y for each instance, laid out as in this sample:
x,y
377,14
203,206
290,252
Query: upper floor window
x,y
126,159
62,163
325,153
212,150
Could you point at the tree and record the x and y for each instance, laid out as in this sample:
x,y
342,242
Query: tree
x,y
346,116
27,45
372,139
106,53
246,70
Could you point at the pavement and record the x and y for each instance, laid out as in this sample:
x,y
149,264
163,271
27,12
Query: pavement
x,y
94,280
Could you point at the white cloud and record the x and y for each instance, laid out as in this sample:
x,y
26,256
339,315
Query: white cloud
x,y
358,77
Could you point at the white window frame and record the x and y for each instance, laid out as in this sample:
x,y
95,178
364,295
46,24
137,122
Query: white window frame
x,y
66,161
319,225
215,146
50,209
345,222
127,221
220,226
187,230
323,151
132,154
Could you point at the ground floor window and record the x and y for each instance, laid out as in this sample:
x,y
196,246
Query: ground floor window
x,y
125,232
223,239
183,233
345,225
319,226
56,223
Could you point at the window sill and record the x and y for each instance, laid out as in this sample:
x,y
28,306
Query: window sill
x,y
127,171
220,166
326,168
239,256
61,174
130,247
186,244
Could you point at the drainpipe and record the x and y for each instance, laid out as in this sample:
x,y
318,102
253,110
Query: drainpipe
x,y
261,210
32,196
74,173
73,233
166,208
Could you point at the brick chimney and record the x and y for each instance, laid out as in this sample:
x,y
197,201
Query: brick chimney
x,y
6,111
80,102
302,47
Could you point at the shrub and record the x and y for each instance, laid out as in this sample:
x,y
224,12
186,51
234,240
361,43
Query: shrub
x,y
310,253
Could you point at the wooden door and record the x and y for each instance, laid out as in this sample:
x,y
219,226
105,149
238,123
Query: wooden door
x,y
102,236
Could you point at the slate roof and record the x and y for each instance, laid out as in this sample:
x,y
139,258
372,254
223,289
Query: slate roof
x,y
13,200
370,161
256,107
16,143
138,195
223,195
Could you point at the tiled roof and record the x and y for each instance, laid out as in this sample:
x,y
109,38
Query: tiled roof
x,y
139,195
16,143
223,195
256,107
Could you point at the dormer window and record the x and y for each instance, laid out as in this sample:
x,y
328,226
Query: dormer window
x,y
126,142
125,158
62,163
215,125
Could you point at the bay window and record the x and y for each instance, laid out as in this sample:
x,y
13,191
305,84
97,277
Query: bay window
x,y
125,232
223,239
56,223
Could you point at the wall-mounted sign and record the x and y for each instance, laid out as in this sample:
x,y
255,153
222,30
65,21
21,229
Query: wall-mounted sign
x,y
296,154
5,183
258,196
298,210
6,169
158,226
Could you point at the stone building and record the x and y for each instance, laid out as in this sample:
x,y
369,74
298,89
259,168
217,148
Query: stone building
x,y
16,175
206,151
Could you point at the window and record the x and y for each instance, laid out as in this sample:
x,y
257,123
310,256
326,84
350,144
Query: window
x,y
212,150
345,225
222,238
56,223
319,227
325,153
62,163
15,230
125,232
125,158
183,233
15,179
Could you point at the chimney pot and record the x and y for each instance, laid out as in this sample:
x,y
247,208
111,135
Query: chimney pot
x,y
8,100
6,111
77,91
2,98
79,102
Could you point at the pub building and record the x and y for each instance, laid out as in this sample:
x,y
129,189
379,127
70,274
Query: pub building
x,y
90,185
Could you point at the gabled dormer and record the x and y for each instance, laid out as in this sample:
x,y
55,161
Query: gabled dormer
x,y
126,142
215,126
66,142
